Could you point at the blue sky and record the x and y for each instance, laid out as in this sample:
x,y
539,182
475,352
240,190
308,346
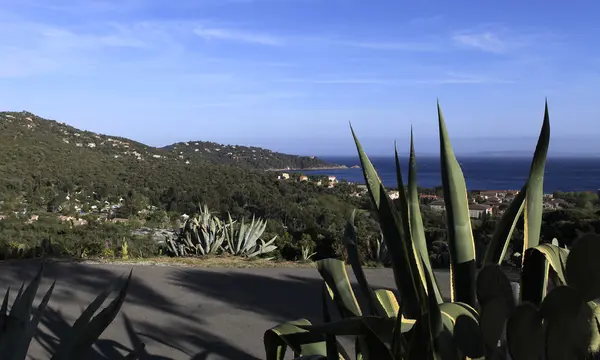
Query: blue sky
x,y
290,74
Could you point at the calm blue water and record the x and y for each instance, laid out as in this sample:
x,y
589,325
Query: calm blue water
x,y
562,174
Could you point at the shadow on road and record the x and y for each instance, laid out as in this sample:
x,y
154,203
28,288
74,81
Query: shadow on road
x,y
173,311
282,298
89,280
59,328
288,295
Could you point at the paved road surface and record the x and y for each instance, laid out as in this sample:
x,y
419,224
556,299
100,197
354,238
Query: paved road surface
x,y
182,313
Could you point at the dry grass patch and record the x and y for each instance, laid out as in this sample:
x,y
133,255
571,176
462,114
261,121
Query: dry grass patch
x,y
206,262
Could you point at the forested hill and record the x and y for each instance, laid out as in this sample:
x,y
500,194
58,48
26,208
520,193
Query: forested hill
x,y
42,161
244,156
55,133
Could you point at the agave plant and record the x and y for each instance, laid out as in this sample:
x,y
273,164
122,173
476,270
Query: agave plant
x,y
378,252
244,240
19,325
201,234
471,324
307,254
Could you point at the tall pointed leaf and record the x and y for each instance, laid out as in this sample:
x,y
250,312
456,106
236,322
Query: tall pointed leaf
x,y
404,265
32,326
416,221
3,311
497,247
278,338
404,216
83,340
20,317
460,234
350,240
529,198
535,187
333,271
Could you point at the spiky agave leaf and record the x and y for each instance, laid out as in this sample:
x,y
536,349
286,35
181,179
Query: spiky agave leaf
x,y
87,329
301,341
539,263
427,329
3,312
417,230
529,198
460,235
334,273
31,327
408,273
351,244
19,327
535,187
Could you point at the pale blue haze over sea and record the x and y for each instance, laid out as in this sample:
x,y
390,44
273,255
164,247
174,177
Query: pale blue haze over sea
x,y
494,173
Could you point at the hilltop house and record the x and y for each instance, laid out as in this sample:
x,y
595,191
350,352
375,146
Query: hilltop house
x,y
476,211
332,179
283,176
303,178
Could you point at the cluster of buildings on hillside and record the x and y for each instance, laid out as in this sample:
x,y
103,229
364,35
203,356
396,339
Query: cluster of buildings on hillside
x,y
331,180
100,210
481,203
73,220
490,202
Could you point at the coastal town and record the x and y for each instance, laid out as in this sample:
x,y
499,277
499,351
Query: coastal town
x,y
482,203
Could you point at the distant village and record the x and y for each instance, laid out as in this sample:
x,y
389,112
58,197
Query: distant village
x,y
482,203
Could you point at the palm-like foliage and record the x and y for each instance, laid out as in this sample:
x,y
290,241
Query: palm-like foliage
x,y
561,324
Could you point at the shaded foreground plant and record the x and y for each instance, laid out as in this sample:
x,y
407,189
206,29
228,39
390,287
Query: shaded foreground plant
x,y
19,324
482,318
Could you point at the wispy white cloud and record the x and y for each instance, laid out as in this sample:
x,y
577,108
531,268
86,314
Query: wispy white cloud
x,y
35,48
500,40
486,41
238,36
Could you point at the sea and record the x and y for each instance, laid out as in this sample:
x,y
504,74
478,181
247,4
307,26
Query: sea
x,y
481,173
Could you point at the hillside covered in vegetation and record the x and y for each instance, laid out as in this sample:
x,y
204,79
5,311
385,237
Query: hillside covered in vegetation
x,y
22,125
50,167
248,157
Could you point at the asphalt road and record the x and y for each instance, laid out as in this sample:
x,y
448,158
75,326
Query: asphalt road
x,y
181,313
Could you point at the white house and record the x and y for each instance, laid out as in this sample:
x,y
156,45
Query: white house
x,y
476,211
438,205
